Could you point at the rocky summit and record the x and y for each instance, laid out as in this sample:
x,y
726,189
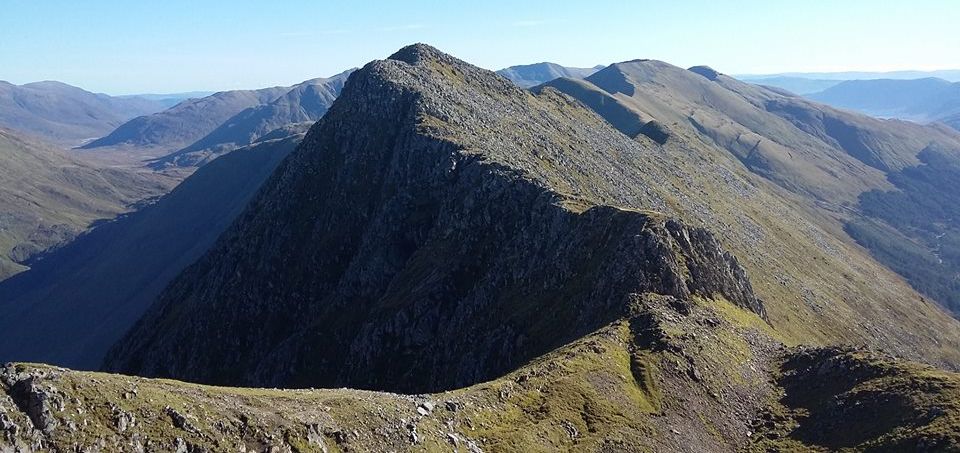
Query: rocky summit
x,y
407,246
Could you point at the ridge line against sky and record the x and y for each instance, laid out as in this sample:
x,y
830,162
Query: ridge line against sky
x,y
120,47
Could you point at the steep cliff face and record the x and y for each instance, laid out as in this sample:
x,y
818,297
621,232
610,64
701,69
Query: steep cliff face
x,y
400,249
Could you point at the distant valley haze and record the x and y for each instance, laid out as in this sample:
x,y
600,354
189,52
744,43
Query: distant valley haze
x,y
182,46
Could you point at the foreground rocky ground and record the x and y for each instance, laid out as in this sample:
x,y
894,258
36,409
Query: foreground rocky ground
x,y
697,375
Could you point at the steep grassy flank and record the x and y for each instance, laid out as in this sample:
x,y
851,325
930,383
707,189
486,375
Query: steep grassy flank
x,y
925,246
819,161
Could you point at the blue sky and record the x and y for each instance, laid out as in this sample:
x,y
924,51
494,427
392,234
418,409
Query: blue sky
x,y
123,47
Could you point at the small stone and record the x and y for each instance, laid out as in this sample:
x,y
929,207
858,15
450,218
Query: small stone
x,y
180,446
453,439
694,374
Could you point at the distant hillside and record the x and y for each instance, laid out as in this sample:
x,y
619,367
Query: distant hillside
x,y
307,101
797,85
186,122
171,99
530,75
66,114
922,100
952,75
953,121
90,292
48,197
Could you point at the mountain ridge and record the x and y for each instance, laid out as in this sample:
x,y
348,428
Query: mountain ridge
x,y
443,108
846,164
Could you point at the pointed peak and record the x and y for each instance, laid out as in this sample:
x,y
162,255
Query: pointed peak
x,y
418,52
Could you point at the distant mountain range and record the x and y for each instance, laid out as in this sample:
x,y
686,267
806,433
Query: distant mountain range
x,y
951,75
304,102
186,122
910,95
530,75
66,114
196,131
922,100
798,85
170,99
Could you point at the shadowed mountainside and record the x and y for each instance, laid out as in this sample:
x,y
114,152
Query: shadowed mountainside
x,y
49,197
89,292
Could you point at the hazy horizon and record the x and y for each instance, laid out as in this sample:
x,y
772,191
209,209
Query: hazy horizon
x,y
121,48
